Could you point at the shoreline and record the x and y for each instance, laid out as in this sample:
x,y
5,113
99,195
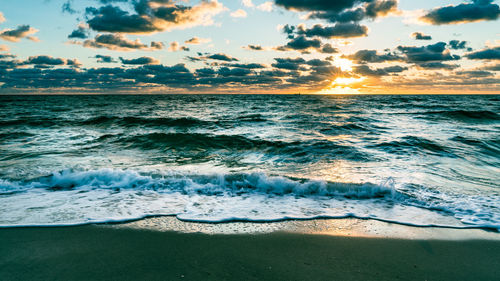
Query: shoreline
x,y
126,252
355,227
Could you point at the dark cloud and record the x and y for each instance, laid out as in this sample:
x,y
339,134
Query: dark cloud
x,y
67,8
369,9
421,36
477,10
474,73
118,42
254,47
222,57
289,63
157,45
151,16
438,65
485,54
373,56
459,45
318,5
196,41
365,70
339,30
301,43
113,19
226,71
247,65
250,76
79,33
379,8
105,59
141,60
328,49
15,35
433,52
45,60
305,45
6,56
494,67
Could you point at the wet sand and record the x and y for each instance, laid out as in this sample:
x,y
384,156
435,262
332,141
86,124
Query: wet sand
x,y
118,253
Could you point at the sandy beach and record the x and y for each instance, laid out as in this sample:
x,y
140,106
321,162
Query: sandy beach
x,y
101,252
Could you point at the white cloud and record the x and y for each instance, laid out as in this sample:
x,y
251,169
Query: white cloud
x,y
247,3
266,6
239,14
2,18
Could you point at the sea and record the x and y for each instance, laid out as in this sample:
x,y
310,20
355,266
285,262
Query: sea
x,y
426,160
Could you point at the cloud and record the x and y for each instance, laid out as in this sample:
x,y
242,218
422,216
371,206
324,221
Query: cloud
x,y
118,42
81,32
316,5
365,70
303,44
141,60
477,10
420,36
289,63
459,45
67,8
339,30
492,53
438,65
2,18
474,73
174,47
4,48
247,65
197,41
434,52
48,61
15,35
266,6
373,56
104,59
492,67
222,57
152,16
247,3
239,14
157,45
254,47
367,10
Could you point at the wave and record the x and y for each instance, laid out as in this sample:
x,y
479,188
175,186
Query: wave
x,y
463,115
189,142
75,197
413,144
140,121
214,184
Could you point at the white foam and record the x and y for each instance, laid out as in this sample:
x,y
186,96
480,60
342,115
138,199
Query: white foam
x,y
107,195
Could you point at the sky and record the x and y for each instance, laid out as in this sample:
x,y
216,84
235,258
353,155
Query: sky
x,y
250,46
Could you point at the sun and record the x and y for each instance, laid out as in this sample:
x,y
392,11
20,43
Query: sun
x,y
344,64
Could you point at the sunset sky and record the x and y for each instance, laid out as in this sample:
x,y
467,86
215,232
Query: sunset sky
x,y
250,46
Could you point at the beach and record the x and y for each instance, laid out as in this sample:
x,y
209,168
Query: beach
x,y
118,252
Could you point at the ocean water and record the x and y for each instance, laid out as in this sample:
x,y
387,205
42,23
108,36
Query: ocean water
x,y
416,160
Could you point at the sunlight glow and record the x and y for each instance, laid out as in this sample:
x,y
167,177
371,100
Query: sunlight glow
x,y
344,64
338,91
347,81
